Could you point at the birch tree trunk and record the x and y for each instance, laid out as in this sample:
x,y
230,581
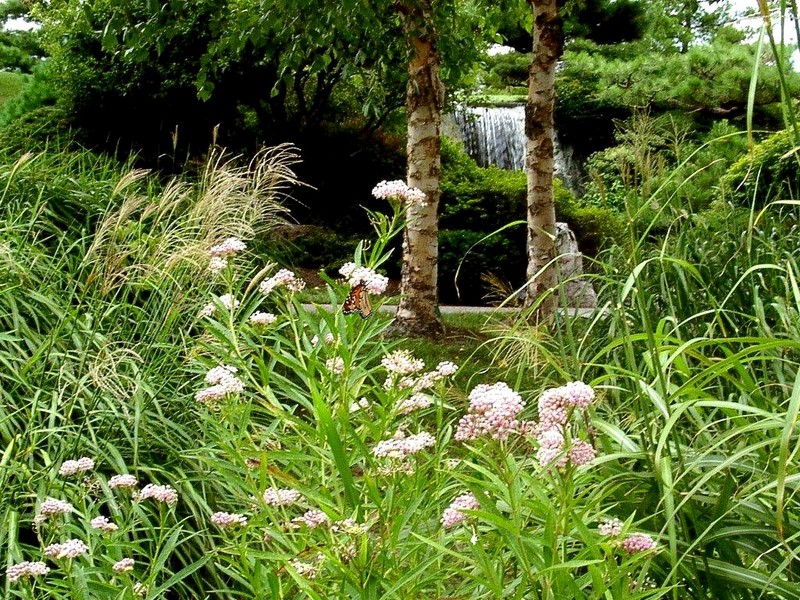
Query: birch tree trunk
x,y
539,163
418,312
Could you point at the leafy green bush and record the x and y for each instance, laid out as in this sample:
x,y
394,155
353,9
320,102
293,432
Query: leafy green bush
x,y
769,172
508,70
477,201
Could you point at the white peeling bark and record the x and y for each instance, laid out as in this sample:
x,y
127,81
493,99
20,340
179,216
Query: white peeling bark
x,y
418,311
539,163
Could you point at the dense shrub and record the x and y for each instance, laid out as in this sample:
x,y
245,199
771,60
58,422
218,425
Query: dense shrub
x,y
477,201
771,171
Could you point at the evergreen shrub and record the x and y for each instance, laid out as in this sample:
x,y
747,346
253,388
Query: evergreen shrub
x,y
769,172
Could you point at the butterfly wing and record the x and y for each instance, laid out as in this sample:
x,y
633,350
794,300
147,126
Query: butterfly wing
x,y
357,301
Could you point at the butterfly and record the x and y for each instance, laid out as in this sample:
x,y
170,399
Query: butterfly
x,y
357,301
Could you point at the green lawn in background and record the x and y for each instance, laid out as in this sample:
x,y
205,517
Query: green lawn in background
x,y
11,84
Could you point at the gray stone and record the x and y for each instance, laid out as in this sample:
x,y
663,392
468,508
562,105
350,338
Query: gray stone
x,y
578,290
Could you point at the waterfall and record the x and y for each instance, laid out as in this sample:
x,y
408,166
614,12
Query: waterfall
x,y
495,135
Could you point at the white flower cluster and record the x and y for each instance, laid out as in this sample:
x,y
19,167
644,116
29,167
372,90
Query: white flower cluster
x,y
227,300
52,507
280,496
220,253
222,381
159,493
335,365
401,446
226,520
262,319
69,549
398,189
26,569
228,248
104,525
70,467
415,402
374,282
126,564
312,519
122,481
402,362
285,278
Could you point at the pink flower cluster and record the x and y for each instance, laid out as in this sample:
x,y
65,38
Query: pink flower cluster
x,y
52,507
122,481
69,549
283,278
375,282
555,407
335,365
223,382
220,253
104,525
415,402
228,301
227,248
159,493
312,519
638,542
280,496
26,569
402,366
124,565
225,520
492,412
398,189
402,362
610,527
71,467
453,514
402,446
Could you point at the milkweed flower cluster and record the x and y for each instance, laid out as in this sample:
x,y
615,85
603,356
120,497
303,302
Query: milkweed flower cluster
x,y
53,507
402,446
280,496
638,542
610,527
402,362
226,520
398,189
123,481
220,253
103,524
71,467
262,319
159,493
124,565
555,407
335,365
69,549
283,278
454,514
228,301
305,569
493,411
403,368
312,519
26,569
415,402
374,282
222,382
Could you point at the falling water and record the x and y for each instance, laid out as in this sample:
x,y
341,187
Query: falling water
x,y
495,135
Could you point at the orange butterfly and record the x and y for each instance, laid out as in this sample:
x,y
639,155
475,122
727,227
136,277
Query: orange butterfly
x,y
357,301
